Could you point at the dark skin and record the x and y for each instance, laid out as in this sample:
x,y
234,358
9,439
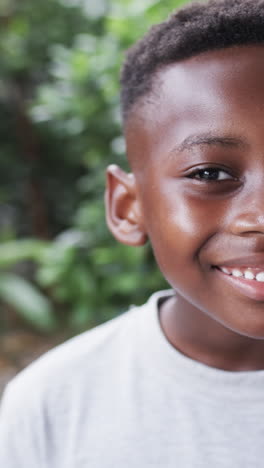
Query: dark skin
x,y
196,148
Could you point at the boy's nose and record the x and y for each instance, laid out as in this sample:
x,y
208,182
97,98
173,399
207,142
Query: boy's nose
x,y
247,215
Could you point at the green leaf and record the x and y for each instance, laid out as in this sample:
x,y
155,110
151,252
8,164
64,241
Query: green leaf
x,y
13,252
27,301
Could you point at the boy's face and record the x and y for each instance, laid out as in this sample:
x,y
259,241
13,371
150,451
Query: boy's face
x,y
197,148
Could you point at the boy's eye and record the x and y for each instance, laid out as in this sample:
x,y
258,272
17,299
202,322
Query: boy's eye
x,y
210,174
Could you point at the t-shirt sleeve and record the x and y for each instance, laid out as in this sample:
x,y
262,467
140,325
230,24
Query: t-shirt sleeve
x,y
20,429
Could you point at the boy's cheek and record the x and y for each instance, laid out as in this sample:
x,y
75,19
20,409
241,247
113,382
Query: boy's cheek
x,y
179,221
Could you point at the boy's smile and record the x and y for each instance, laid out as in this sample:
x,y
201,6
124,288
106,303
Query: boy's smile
x,y
196,146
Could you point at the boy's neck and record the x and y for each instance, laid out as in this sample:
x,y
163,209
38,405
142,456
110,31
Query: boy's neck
x,y
203,339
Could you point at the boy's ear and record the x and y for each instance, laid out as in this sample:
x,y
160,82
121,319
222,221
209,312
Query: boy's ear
x,y
123,211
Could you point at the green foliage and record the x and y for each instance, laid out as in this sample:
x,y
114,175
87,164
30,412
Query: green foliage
x,y
13,252
60,128
28,301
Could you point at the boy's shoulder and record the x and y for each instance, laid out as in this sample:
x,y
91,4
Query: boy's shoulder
x,y
86,361
78,354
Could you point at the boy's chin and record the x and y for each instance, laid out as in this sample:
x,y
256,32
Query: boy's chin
x,y
248,329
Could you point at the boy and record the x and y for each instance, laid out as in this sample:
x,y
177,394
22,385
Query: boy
x,y
178,382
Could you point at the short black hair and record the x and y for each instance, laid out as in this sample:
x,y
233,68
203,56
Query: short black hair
x,y
191,30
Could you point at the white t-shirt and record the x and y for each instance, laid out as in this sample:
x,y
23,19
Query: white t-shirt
x,y
120,396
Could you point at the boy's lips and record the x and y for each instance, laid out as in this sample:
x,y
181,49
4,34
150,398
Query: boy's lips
x,y
250,261
252,288
246,274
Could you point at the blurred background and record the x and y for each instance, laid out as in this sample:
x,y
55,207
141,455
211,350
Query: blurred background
x,y
61,272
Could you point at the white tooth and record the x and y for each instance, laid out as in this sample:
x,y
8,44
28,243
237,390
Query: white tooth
x,y
260,277
225,270
249,275
237,273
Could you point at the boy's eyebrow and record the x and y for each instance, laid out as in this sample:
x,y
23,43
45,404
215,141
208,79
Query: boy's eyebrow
x,y
210,139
